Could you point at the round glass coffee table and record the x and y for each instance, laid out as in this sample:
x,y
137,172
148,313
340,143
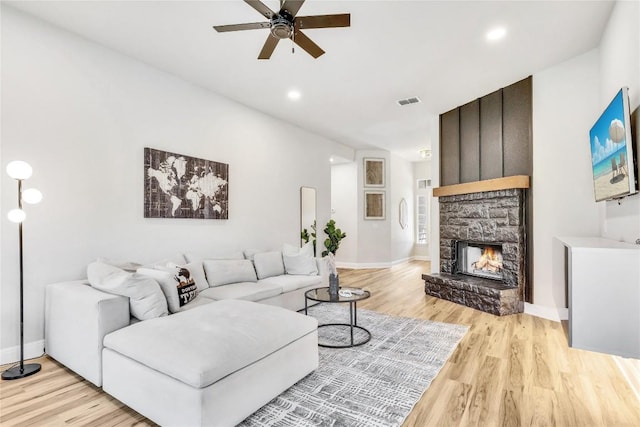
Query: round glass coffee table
x,y
357,294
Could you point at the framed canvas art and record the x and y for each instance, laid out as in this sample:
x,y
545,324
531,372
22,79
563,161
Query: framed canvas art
x,y
179,186
373,172
374,205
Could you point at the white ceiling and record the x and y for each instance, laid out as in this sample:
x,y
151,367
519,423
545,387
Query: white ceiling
x,y
435,50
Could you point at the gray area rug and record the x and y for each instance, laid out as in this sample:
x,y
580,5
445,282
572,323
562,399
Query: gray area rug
x,y
376,384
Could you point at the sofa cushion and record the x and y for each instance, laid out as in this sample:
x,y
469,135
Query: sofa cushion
x,y
201,346
247,291
291,250
197,273
177,284
290,283
176,258
146,300
193,257
300,265
130,266
196,302
223,272
268,264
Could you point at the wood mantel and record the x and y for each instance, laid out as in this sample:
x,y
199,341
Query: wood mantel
x,y
516,181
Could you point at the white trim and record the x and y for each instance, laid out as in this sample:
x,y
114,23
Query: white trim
x,y
364,265
31,351
552,313
358,266
402,261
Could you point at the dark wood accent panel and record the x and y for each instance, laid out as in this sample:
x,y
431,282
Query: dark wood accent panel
x,y
505,147
516,128
450,147
491,136
470,142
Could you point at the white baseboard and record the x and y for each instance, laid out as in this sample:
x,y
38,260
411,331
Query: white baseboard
x,y
31,351
359,266
552,313
363,265
401,261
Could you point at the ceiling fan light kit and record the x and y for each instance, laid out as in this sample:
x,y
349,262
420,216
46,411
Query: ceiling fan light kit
x,y
285,25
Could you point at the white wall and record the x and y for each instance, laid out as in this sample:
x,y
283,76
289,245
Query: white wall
x,y
81,115
344,207
401,187
620,66
564,99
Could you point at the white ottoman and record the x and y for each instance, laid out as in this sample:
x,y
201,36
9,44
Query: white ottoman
x,y
213,365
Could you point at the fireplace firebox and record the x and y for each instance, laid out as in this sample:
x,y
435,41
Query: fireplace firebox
x,y
479,259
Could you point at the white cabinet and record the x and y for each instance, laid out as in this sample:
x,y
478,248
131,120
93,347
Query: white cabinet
x,y
603,295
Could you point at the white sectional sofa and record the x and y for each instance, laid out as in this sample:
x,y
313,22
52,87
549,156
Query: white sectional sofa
x,y
211,353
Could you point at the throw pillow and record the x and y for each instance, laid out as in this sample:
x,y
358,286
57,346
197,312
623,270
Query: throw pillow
x,y
146,300
124,265
176,258
197,273
223,272
290,250
299,260
300,264
268,264
177,284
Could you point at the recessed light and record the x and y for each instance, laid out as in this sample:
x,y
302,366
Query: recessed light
x,y
425,154
294,95
496,33
331,160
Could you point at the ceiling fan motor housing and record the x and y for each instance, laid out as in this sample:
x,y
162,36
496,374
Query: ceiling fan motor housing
x,y
282,26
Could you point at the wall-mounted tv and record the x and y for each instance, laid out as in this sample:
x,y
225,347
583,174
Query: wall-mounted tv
x,y
612,157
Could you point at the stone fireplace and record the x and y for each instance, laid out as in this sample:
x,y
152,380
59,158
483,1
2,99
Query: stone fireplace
x,y
482,245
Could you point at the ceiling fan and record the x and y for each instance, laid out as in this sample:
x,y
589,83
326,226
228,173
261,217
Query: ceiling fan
x,y
284,24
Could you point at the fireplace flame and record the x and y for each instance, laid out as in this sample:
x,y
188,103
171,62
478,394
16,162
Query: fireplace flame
x,y
490,260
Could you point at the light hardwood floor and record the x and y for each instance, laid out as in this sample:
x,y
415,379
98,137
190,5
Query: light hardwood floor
x,y
512,371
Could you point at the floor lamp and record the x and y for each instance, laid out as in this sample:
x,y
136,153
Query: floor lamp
x,y
20,171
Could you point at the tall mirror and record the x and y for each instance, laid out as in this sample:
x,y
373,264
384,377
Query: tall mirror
x,y
307,215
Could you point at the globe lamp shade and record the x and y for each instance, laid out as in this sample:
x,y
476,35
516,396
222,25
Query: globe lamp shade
x,y
16,215
32,196
19,170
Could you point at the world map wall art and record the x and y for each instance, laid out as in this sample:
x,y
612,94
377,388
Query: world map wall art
x,y
179,186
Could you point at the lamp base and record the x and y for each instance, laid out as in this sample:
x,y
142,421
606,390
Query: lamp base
x,y
17,373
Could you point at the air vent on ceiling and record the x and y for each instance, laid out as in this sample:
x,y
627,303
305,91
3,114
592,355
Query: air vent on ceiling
x,y
408,101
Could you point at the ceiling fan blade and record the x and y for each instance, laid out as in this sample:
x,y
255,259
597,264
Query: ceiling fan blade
x,y
307,44
291,6
269,47
240,27
323,21
260,7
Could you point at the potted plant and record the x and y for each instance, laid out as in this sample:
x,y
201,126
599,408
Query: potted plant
x,y
332,243
335,235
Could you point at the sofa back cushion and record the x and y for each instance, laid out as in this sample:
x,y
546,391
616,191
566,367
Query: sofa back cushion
x,y
177,283
146,300
196,256
222,272
268,264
